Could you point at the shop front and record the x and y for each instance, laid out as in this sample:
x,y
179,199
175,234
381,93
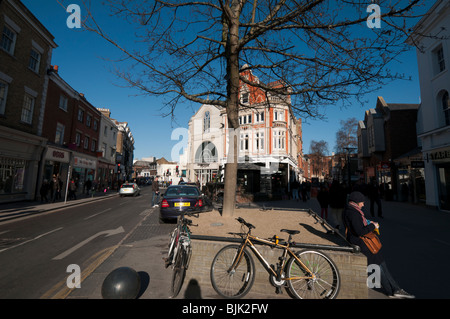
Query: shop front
x,y
437,166
56,163
20,154
84,169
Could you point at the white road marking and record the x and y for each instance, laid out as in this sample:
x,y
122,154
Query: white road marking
x,y
104,211
30,240
84,242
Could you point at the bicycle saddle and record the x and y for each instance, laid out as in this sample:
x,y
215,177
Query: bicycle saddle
x,y
290,232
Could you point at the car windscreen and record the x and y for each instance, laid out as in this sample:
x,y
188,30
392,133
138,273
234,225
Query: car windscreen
x,y
181,191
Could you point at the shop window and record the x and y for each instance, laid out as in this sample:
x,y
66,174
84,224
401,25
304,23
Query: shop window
x,y
12,172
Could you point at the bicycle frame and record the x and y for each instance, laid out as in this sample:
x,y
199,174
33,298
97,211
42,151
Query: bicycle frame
x,y
248,241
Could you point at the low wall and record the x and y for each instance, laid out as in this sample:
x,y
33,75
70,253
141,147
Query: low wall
x,y
352,268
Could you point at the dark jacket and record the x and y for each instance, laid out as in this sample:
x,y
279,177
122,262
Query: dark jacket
x,y
355,228
338,196
155,186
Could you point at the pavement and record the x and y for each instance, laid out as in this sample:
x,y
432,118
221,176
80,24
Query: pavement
x,y
140,249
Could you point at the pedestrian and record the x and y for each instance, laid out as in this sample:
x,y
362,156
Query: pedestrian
x,y
44,191
374,196
338,200
304,191
155,192
323,196
72,189
88,186
357,225
54,188
294,187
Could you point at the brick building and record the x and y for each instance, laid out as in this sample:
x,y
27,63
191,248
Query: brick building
x,y
385,137
25,54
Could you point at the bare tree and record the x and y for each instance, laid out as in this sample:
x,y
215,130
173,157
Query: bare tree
x,y
321,52
346,136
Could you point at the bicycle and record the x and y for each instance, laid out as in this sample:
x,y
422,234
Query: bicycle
x,y
307,274
180,251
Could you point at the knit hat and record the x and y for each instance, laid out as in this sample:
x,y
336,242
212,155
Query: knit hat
x,y
356,197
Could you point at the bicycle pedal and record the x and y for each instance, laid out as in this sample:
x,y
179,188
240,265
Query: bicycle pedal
x,y
278,291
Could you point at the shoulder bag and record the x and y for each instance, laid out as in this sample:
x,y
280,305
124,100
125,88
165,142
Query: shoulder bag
x,y
372,242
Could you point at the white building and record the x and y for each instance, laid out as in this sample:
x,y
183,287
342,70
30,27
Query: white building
x,y
107,145
433,57
268,142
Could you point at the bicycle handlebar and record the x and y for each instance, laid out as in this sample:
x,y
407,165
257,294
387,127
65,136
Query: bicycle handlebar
x,y
242,221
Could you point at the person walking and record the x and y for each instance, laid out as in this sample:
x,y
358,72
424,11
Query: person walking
x,y
323,196
357,225
155,192
44,191
294,187
338,200
374,196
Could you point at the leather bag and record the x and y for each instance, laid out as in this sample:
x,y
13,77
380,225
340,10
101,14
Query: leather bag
x,y
372,242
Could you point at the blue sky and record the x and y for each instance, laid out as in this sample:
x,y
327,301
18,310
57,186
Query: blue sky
x,y
80,57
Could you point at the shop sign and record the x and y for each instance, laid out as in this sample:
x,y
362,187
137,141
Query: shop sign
x,y
439,155
57,155
417,164
84,162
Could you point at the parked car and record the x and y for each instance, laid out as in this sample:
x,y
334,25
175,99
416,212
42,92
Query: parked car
x,y
179,198
129,189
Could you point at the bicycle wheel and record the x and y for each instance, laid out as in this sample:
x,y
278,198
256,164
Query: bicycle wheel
x,y
179,271
325,283
234,283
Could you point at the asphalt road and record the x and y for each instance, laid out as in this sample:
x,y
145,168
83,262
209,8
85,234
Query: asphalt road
x,y
36,252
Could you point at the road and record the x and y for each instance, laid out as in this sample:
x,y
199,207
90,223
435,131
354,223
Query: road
x,y
35,253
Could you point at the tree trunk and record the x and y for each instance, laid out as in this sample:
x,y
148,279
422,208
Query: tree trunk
x,y
231,166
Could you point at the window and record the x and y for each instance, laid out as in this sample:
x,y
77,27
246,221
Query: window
x,y
278,115
27,109
78,139
104,148
206,122
8,40
80,115
94,145
35,60
63,102
438,60
3,94
259,117
88,120
59,137
105,131
259,141
244,142
446,108
279,139
95,125
86,142
245,97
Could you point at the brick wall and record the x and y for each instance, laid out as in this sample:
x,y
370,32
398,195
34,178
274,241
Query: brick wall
x,y
352,268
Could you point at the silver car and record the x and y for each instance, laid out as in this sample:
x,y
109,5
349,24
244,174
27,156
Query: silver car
x,y
129,189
